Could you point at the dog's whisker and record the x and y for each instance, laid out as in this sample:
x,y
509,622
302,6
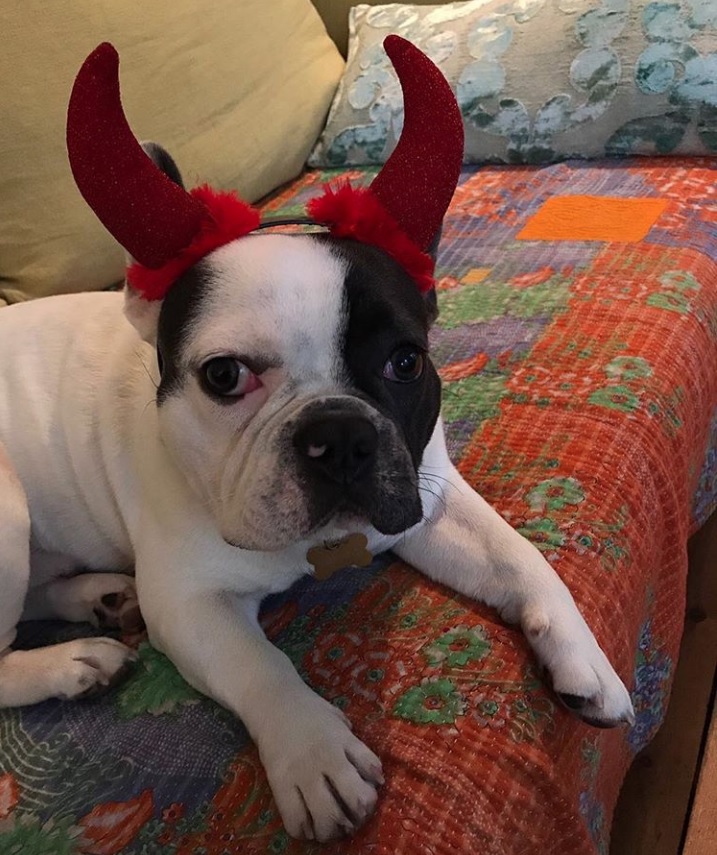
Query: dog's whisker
x,y
446,485
440,501
436,496
146,369
436,476
424,479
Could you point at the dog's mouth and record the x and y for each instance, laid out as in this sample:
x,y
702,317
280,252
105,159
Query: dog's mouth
x,y
388,518
389,515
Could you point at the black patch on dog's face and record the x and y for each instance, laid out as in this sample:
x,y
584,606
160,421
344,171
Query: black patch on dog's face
x,y
180,308
385,312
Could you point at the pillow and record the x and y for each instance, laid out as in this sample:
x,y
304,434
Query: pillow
x,y
538,81
335,15
237,91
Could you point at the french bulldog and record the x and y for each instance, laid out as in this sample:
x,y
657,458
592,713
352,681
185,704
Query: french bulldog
x,y
188,451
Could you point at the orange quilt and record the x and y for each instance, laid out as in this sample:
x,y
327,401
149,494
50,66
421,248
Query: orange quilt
x,y
577,341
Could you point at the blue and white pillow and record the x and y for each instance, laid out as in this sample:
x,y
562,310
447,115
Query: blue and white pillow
x,y
538,80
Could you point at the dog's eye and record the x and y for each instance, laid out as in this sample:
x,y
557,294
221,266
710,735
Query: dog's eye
x,y
227,377
405,365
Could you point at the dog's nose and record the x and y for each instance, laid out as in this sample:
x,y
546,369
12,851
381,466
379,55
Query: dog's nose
x,y
341,447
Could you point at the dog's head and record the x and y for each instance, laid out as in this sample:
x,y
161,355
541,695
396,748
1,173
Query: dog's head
x,y
295,383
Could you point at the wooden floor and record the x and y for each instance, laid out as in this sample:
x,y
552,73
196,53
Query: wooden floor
x,y
663,785
702,829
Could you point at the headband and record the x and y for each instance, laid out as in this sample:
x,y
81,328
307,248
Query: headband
x,y
167,229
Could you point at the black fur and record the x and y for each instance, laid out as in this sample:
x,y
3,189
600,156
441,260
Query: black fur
x,y
180,307
164,160
386,311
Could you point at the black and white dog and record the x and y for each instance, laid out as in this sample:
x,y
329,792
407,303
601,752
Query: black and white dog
x,y
279,396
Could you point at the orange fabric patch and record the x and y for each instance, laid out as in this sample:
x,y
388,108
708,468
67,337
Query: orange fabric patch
x,y
461,370
601,218
446,283
475,275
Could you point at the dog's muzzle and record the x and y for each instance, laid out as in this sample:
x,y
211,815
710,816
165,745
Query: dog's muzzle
x,y
350,459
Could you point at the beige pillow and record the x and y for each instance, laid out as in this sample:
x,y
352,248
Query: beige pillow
x,y
236,90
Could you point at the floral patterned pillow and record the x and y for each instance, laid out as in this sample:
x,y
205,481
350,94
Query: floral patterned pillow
x,y
538,80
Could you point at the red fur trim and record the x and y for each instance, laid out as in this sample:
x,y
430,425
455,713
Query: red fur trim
x,y
354,212
228,218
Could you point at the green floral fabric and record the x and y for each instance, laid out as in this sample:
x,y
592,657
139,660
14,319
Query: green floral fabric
x,y
538,80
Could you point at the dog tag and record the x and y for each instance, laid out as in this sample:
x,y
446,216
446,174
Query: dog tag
x,y
332,555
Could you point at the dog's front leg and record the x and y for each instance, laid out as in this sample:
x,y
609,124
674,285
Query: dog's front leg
x,y
472,549
323,778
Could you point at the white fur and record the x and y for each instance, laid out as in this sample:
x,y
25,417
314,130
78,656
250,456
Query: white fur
x,y
277,297
109,481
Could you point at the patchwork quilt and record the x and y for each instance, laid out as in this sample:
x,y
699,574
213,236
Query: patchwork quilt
x,y
577,342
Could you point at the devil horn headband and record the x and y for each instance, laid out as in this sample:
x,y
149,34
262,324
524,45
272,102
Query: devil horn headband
x,y
167,229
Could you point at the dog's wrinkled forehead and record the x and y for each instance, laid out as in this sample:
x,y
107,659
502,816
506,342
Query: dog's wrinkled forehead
x,y
311,305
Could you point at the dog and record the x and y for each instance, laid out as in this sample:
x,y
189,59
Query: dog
x,y
188,451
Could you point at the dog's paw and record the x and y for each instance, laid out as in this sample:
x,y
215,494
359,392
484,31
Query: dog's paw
x,y
88,666
323,778
106,600
581,674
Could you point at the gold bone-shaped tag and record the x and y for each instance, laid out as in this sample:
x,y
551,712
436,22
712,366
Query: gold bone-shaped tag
x,y
332,555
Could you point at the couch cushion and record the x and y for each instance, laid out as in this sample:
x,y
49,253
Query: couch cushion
x,y
536,81
237,92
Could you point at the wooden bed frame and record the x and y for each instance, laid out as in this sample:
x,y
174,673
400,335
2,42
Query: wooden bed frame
x,y
668,804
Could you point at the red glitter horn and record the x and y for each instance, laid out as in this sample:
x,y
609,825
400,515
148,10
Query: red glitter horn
x,y
162,226
418,180
402,211
148,214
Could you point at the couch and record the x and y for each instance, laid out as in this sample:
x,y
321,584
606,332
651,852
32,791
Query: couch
x,y
577,343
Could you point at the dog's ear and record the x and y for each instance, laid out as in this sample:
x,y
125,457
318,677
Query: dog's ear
x,y
430,296
144,314
164,160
